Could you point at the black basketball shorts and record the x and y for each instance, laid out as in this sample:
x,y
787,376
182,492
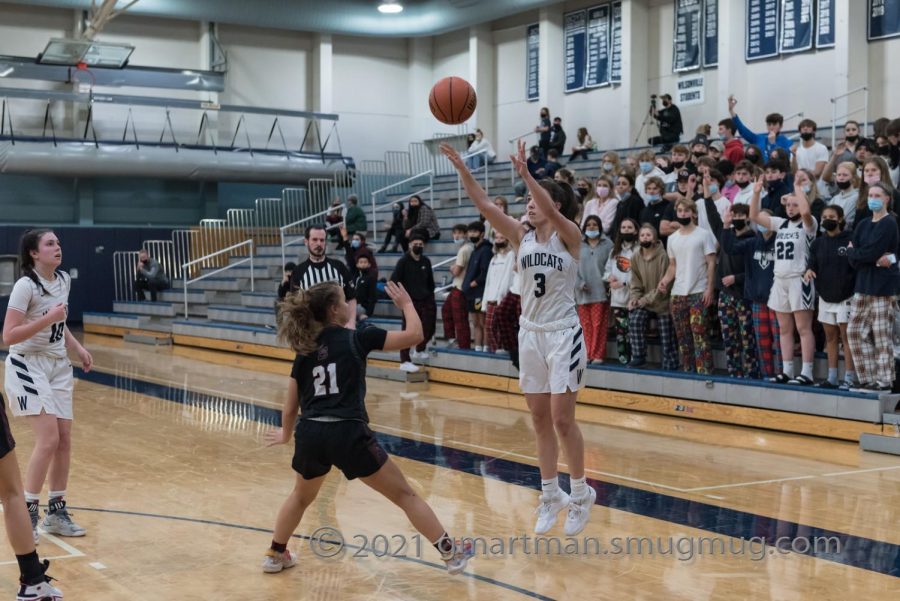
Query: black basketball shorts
x,y
349,445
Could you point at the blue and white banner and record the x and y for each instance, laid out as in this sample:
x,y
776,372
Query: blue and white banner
x,y
762,29
575,35
615,61
825,24
797,33
532,61
686,37
884,19
711,33
598,43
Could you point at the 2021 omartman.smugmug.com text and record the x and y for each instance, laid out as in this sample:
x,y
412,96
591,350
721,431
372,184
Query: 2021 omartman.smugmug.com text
x,y
684,548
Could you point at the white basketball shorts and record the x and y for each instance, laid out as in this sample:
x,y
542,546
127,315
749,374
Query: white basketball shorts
x,y
551,362
36,383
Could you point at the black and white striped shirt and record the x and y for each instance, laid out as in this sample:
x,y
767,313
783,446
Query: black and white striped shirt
x,y
307,274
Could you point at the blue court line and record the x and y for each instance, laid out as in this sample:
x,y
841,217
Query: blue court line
x,y
855,551
344,545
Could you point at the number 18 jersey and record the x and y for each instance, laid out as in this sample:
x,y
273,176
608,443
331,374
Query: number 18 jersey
x,y
548,275
28,298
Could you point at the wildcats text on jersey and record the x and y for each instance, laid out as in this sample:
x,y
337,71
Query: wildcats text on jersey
x,y
541,259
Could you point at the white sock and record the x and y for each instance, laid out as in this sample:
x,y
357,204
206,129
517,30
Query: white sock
x,y
849,376
808,371
832,375
579,487
550,487
788,368
57,493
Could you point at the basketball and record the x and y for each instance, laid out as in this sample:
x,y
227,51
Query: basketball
x,y
452,100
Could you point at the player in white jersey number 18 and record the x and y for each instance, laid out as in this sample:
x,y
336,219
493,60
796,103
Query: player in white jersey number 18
x,y
551,346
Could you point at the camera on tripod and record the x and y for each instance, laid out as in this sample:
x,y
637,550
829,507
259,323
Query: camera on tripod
x,y
653,100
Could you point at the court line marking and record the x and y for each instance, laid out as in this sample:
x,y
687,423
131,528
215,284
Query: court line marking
x,y
792,478
72,551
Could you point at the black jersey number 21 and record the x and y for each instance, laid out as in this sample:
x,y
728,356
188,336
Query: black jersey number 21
x,y
56,331
540,281
325,380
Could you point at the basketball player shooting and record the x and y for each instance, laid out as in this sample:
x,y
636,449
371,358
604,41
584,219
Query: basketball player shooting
x,y
551,350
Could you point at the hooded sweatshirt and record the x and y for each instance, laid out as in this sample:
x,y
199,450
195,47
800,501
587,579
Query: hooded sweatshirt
x,y
645,277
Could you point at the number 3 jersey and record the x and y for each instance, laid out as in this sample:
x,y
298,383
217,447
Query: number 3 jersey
x,y
792,243
548,275
28,298
331,381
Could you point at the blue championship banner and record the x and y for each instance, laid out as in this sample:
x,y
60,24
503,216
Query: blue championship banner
x,y
884,19
762,29
532,61
797,32
615,61
686,37
825,24
598,43
711,33
575,35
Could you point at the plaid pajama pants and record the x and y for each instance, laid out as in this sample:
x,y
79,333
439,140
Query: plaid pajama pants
x,y
620,325
456,319
870,335
688,315
505,323
637,326
768,339
489,339
737,334
427,311
595,323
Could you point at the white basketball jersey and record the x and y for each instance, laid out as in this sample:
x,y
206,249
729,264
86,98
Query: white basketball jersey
x,y
792,243
548,275
28,298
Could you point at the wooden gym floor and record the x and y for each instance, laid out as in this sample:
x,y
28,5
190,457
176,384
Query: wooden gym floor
x,y
178,493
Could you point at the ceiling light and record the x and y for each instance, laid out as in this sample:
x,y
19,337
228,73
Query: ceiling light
x,y
390,7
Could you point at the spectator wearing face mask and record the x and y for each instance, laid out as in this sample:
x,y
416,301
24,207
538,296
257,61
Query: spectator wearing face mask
x,y
498,283
835,279
543,130
874,171
618,274
754,155
602,204
768,141
808,153
776,188
558,137
699,150
730,190
453,312
734,148
395,229
658,206
590,288
846,149
610,164
873,255
845,191
415,273
647,169
669,122
743,178
475,279
354,248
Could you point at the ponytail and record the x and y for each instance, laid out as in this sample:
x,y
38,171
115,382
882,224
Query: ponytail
x,y
304,314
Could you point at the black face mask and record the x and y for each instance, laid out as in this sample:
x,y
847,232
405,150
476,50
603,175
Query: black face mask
x,y
647,243
884,151
844,185
699,155
774,183
807,136
584,191
500,245
796,217
677,164
739,224
741,185
830,225
416,250
753,158
475,239
852,139
684,220
629,237
668,169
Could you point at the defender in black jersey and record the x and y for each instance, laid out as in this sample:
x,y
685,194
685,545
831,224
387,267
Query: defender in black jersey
x,y
328,389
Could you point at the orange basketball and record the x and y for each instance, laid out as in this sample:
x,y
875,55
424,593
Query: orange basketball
x,y
452,100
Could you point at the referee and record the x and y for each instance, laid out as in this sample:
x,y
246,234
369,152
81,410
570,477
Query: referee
x,y
318,268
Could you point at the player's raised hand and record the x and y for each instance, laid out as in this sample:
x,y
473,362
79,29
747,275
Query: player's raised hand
x,y
397,293
452,156
759,184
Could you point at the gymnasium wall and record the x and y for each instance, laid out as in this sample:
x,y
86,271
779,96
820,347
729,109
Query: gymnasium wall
x,y
88,250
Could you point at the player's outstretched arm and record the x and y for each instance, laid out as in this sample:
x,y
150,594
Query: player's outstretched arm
x,y
511,229
413,334
568,230
289,413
